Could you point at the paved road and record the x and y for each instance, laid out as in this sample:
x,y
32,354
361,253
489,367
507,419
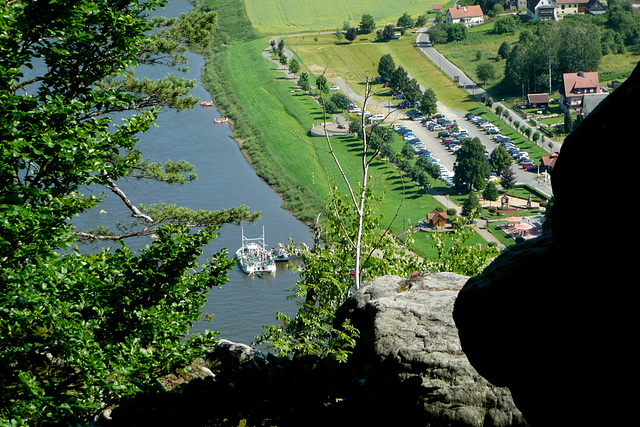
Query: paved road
x,y
422,41
430,140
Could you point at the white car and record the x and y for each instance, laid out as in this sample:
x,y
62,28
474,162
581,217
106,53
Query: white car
x,y
334,88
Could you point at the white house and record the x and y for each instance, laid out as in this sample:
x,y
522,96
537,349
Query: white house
x,y
543,10
467,15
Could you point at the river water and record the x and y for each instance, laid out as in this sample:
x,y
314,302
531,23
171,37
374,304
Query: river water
x,y
225,179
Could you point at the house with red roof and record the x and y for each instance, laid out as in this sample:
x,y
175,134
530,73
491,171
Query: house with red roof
x,y
466,15
575,86
548,161
437,219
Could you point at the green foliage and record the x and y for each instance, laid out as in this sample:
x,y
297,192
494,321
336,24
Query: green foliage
x,y
504,50
386,66
506,25
486,71
500,159
547,50
471,168
490,192
321,84
428,102
405,21
303,82
351,34
367,24
327,281
454,254
294,66
78,331
82,331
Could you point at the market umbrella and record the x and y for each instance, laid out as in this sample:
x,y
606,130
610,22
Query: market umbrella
x,y
523,226
513,219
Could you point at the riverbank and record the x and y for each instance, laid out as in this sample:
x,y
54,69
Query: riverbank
x,y
273,121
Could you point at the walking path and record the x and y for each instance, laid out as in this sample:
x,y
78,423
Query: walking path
x,y
337,126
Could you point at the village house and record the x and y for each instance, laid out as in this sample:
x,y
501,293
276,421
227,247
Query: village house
x,y
466,15
596,7
538,100
548,161
545,10
570,7
575,86
437,219
541,10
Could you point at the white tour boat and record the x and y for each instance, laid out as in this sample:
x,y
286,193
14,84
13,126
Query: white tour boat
x,y
254,257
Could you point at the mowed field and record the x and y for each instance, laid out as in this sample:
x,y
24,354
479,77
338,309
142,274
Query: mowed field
x,y
300,16
353,62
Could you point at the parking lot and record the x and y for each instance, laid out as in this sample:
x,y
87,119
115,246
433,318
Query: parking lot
x,y
434,141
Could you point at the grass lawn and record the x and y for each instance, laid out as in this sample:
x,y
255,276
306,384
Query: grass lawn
x,y
353,62
284,119
463,55
302,16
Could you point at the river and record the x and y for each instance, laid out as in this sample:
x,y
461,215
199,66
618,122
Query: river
x,y
225,179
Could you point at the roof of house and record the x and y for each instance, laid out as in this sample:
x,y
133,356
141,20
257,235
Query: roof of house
x,y
435,214
538,98
571,1
572,81
460,12
549,159
533,4
591,100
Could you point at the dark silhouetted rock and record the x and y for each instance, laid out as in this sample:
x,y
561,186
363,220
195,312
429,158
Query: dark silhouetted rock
x,y
550,318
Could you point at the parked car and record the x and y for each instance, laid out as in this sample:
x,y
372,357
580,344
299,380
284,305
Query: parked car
x,y
443,134
526,165
437,127
437,116
354,109
333,88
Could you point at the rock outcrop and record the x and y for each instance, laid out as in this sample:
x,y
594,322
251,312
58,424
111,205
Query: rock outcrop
x,y
551,318
407,330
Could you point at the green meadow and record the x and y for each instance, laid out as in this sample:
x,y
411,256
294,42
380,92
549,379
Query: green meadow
x,y
301,16
284,116
272,118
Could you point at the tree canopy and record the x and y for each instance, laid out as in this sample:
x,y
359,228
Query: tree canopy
x,y
80,331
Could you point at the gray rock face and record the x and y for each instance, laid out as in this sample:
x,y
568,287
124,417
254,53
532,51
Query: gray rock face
x,y
407,327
